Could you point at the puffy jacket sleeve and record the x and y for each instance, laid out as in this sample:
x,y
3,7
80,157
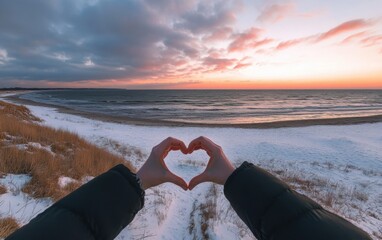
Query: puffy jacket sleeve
x,y
99,209
273,211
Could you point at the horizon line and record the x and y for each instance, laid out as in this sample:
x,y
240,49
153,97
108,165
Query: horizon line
x,y
182,89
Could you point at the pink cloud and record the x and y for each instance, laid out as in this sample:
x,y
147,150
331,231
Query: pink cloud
x,y
276,12
286,44
372,40
345,27
248,40
242,65
260,43
219,64
220,34
290,43
342,28
215,63
242,39
353,37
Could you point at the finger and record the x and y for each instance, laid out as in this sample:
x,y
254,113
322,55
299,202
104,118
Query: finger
x,y
204,143
183,147
179,146
165,144
177,180
197,180
193,147
197,146
175,147
175,144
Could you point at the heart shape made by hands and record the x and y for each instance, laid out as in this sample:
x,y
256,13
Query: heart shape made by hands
x,y
155,171
187,166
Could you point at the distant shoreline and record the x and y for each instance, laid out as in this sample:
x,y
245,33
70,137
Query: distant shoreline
x,y
147,122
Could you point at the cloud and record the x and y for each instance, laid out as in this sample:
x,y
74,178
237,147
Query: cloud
x,y
276,12
220,34
348,26
242,65
354,37
215,62
287,44
71,40
207,18
219,64
372,41
345,27
3,56
249,39
293,42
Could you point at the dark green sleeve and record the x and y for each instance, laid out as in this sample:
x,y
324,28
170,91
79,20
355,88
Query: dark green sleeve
x,y
273,211
99,209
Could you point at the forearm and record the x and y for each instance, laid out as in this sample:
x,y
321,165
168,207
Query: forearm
x,y
99,209
272,210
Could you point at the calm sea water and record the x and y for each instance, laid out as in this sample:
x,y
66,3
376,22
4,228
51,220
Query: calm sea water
x,y
218,106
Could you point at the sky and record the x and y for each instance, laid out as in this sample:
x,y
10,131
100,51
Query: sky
x,y
195,44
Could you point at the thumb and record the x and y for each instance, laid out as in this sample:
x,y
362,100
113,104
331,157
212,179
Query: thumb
x,y
177,180
197,180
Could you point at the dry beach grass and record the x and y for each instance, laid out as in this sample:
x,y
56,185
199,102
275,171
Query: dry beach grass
x,y
7,226
46,154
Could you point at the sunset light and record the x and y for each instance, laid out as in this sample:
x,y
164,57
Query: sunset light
x,y
190,119
193,44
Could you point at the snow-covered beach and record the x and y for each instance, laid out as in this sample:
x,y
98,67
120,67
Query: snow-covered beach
x,y
339,166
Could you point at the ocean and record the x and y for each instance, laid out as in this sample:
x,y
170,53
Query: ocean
x,y
216,106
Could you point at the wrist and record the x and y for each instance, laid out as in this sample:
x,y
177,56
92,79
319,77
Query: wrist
x,y
141,179
230,170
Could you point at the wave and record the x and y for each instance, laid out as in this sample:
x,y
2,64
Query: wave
x,y
217,106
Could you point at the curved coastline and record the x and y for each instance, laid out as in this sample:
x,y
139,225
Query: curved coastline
x,y
147,122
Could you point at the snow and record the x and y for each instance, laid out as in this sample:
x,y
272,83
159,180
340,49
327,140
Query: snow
x,y
64,181
14,203
348,158
39,146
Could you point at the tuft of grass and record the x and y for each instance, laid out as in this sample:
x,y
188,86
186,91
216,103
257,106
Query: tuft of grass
x,y
2,189
208,214
61,153
7,226
361,196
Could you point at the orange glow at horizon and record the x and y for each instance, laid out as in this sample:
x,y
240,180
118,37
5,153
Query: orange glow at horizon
x,y
346,84
355,83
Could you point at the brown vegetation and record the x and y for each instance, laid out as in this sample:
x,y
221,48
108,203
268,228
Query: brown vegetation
x,y
207,211
2,189
46,153
7,226
18,111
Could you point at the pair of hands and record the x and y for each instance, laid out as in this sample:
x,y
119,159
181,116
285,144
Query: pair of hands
x,y
155,172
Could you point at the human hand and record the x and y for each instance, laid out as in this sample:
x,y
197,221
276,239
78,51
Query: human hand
x,y
219,168
155,172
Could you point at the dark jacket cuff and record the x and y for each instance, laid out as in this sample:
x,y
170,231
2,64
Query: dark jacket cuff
x,y
133,179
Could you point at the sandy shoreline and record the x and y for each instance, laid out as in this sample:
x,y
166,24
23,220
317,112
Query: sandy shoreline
x,y
148,122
